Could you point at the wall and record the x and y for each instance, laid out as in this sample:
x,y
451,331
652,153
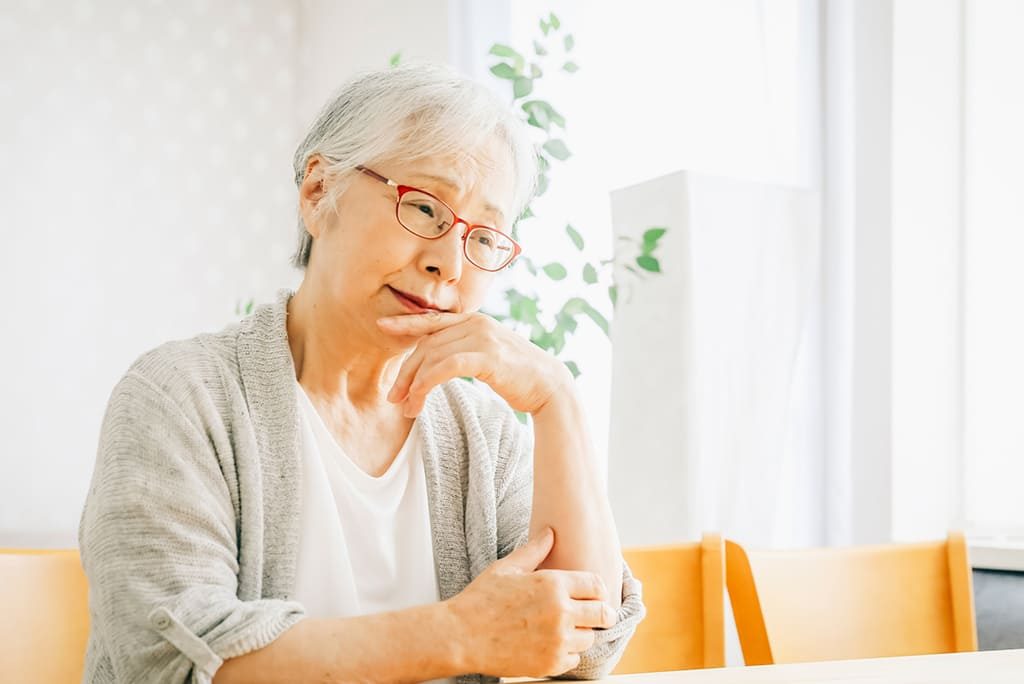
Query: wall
x,y
145,161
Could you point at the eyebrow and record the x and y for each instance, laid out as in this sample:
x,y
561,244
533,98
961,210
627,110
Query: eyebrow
x,y
454,185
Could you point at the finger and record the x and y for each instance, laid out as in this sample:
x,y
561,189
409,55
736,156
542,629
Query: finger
x,y
439,367
531,554
593,614
412,363
421,324
584,585
569,662
581,640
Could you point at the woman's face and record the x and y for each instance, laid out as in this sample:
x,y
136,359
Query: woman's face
x,y
362,257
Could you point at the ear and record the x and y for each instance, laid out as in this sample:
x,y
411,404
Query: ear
x,y
311,191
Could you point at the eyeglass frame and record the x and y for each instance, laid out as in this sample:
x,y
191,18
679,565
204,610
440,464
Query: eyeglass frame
x,y
403,189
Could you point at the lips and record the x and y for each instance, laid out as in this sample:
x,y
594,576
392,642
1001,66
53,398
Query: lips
x,y
412,302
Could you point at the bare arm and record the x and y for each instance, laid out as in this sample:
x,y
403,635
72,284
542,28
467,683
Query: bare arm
x,y
511,621
356,649
568,494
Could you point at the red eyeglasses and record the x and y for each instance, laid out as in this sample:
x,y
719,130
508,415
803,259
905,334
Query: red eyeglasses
x,y
426,216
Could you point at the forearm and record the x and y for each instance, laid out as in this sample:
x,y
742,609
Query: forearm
x,y
569,495
403,646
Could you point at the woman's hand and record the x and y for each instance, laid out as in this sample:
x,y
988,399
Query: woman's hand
x,y
516,621
453,345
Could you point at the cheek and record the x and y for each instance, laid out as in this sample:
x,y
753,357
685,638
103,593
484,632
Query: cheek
x,y
474,288
373,244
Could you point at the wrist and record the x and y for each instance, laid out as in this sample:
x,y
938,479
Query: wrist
x,y
457,646
561,387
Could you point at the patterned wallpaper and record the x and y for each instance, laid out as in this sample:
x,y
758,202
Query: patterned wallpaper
x,y
145,187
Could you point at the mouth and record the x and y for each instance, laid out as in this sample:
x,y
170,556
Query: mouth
x,y
413,303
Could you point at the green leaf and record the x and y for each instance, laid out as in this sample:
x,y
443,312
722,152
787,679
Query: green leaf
x,y
598,318
571,67
651,238
543,162
248,307
565,322
573,368
648,263
544,339
500,50
539,49
528,263
535,71
574,235
555,271
555,117
589,274
542,184
521,307
522,417
534,122
613,294
569,41
522,87
575,305
395,59
503,70
527,213
545,27
554,21
557,149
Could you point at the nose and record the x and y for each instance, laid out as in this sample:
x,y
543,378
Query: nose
x,y
443,258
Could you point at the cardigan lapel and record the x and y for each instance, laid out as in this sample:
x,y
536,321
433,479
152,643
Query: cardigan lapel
x,y
446,469
268,375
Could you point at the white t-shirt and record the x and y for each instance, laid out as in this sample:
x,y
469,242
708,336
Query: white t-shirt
x,y
365,544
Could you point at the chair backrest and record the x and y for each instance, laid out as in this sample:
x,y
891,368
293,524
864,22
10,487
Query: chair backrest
x,y
859,602
684,592
44,616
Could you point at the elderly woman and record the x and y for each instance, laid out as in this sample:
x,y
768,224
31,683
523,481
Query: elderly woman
x,y
316,493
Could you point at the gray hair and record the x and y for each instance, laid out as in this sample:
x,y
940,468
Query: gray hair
x,y
409,112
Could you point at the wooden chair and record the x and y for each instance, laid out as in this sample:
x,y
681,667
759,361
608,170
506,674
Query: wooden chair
x,y
860,602
44,616
683,588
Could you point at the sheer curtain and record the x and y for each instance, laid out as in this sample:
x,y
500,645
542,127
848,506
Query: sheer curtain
x,y
721,90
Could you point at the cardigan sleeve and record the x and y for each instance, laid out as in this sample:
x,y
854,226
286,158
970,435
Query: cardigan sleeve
x,y
515,494
159,546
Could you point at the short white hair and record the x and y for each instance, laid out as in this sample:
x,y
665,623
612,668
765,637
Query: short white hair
x,y
408,112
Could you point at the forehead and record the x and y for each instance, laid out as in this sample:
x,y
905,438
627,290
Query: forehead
x,y
485,180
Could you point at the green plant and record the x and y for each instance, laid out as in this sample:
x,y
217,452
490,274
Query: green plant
x,y
550,326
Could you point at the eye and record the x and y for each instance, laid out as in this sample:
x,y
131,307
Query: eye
x,y
427,209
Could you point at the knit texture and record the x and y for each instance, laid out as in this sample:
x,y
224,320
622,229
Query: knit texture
x,y
189,534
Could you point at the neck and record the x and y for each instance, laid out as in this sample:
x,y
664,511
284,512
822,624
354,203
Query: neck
x,y
350,366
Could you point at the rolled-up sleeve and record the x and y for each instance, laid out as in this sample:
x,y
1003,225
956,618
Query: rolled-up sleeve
x,y
515,493
159,545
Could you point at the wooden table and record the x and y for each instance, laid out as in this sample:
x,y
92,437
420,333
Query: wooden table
x,y
983,667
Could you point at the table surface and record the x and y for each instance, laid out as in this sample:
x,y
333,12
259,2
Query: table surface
x,y
949,668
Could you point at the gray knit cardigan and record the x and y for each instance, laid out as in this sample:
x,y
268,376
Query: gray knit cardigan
x,y
189,533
